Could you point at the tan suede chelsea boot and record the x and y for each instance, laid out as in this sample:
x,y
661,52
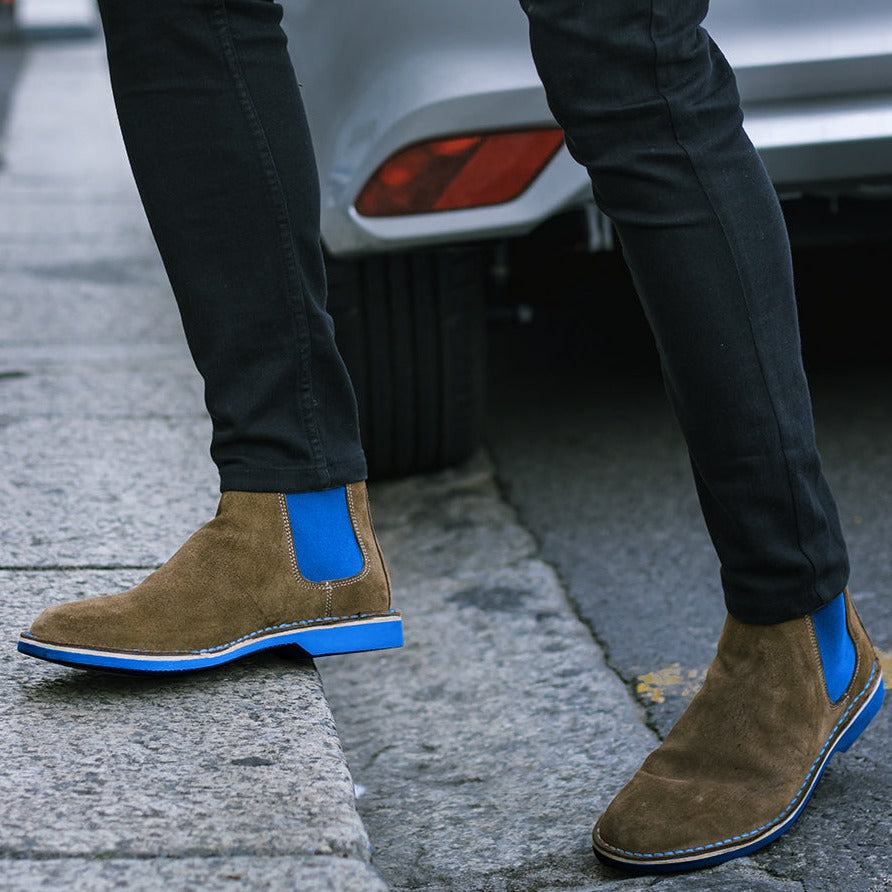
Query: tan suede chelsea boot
x,y
269,570
741,763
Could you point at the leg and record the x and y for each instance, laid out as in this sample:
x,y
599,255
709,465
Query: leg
x,y
214,127
650,107
215,130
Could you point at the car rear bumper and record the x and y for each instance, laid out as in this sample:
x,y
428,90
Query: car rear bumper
x,y
817,99
836,146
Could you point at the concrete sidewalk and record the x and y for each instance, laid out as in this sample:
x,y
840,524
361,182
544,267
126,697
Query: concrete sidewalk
x,y
230,779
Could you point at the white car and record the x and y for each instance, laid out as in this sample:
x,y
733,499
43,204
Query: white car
x,y
435,145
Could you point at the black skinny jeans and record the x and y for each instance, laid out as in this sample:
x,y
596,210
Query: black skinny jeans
x,y
215,131
213,123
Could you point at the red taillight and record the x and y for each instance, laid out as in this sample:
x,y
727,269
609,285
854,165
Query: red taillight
x,y
458,172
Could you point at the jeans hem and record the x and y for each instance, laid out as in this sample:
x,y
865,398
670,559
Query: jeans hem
x,y
293,480
780,606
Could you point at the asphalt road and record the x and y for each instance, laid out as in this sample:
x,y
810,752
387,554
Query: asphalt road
x,y
586,449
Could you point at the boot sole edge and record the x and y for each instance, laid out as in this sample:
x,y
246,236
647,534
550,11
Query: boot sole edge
x,y
366,634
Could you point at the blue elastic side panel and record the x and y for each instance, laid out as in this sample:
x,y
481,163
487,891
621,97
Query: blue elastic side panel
x,y
836,646
324,541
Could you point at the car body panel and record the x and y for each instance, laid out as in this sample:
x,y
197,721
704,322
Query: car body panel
x,y
815,79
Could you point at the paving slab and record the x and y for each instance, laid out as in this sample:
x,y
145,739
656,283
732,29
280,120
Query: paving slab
x,y
105,492
83,382
62,127
283,874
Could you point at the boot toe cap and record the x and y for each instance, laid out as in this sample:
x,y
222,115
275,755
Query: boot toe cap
x,y
85,623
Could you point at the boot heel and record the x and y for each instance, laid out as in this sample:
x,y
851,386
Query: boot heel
x,y
375,633
863,719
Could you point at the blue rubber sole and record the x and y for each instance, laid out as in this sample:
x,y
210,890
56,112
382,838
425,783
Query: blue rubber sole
x,y
368,633
695,861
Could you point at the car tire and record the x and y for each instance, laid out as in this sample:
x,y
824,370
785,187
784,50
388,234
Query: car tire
x,y
411,330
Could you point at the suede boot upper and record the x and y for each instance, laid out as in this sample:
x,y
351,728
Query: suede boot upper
x,y
745,754
236,578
